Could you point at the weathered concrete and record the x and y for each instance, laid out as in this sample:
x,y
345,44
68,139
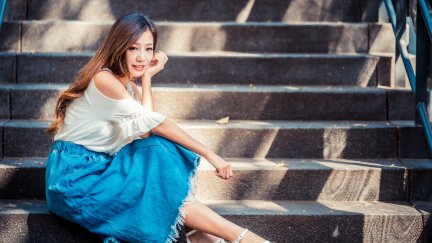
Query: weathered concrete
x,y
45,68
22,177
254,179
249,139
214,10
19,9
401,105
1,140
10,37
7,67
370,10
412,140
54,36
326,221
219,68
4,104
386,71
420,177
24,139
30,221
381,38
32,101
425,207
284,221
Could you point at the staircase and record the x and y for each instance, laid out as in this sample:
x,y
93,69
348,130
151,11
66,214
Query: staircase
x,y
322,143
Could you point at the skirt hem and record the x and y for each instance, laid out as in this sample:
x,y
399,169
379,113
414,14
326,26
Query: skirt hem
x,y
179,222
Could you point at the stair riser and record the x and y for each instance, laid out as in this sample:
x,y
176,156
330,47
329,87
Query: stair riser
x,y
202,104
265,69
294,228
249,143
352,228
215,10
270,38
339,185
42,228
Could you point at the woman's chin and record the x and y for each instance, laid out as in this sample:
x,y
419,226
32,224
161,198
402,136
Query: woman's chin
x,y
136,74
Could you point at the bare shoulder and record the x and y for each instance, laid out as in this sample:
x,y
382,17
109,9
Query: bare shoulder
x,y
109,85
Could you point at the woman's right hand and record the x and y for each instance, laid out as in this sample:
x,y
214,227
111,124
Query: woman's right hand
x,y
223,168
156,64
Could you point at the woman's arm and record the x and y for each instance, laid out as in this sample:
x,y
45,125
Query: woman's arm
x,y
171,131
147,97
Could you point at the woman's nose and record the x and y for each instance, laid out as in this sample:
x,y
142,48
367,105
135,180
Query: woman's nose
x,y
141,56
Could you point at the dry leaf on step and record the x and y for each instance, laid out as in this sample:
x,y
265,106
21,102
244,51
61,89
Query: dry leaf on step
x,y
281,164
223,120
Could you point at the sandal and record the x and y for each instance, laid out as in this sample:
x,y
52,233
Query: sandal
x,y
220,240
242,234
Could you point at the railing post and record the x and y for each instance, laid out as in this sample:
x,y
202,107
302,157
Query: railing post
x,y
423,55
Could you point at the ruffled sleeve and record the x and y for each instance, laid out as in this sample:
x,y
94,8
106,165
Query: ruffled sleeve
x,y
139,123
131,119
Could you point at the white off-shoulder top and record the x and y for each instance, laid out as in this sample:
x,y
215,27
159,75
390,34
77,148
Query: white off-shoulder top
x,y
102,124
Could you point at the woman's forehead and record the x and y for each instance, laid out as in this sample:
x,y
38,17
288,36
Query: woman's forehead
x,y
145,39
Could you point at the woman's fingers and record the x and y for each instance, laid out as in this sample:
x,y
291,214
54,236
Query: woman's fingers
x,y
225,173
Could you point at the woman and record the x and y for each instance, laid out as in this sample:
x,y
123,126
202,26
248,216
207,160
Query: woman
x,y
117,167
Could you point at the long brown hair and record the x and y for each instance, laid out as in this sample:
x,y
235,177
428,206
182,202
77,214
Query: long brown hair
x,y
111,54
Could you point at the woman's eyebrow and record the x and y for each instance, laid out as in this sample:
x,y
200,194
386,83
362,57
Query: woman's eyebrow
x,y
144,44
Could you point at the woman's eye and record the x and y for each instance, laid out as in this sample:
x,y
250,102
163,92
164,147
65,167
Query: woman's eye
x,y
133,48
149,49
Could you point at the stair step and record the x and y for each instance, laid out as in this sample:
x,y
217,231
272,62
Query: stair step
x,y
78,36
266,179
259,139
215,10
420,179
215,68
30,101
284,221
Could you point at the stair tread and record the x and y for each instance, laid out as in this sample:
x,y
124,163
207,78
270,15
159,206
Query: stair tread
x,y
258,207
214,54
245,124
204,23
277,164
224,88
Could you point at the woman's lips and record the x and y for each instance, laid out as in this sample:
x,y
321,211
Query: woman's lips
x,y
138,67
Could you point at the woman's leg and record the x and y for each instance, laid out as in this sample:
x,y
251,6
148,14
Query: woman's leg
x,y
202,218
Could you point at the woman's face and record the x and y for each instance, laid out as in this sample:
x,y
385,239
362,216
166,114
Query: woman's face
x,y
139,55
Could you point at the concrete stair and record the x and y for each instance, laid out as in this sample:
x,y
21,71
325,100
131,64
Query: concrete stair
x,y
323,147
264,138
276,102
318,221
216,68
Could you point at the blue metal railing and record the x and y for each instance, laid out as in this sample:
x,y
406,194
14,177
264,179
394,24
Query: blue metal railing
x,y
2,11
423,57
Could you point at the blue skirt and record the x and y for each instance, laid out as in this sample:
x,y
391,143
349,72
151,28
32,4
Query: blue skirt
x,y
136,195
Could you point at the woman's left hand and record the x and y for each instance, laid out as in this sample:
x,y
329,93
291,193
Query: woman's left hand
x,y
223,168
156,64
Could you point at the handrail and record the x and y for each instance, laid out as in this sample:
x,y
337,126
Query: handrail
x,y
2,11
402,48
424,7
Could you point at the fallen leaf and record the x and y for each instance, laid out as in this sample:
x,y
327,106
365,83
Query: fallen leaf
x,y
223,120
281,164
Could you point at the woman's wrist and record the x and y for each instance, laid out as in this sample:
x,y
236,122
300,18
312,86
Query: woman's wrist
x,y
146,79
